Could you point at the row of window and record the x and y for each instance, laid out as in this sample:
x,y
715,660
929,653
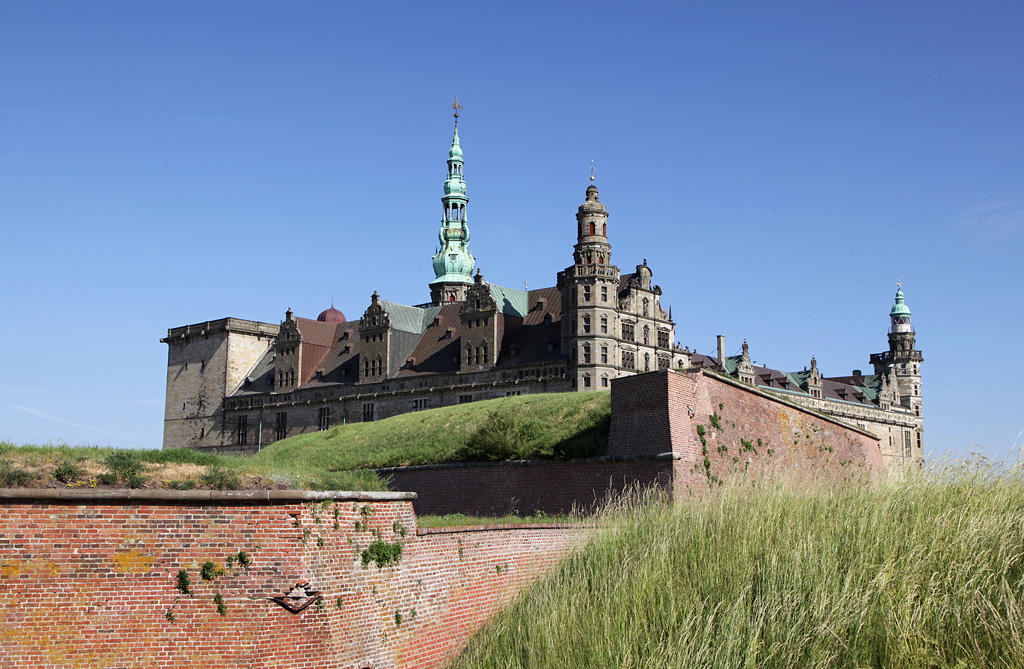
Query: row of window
x,y
628,358
480,354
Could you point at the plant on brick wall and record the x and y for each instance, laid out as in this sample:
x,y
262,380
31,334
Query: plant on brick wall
x,y
399,529
222,608
381,553
184,583
716,422
210,570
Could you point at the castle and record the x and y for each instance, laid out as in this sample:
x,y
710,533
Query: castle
x,y
237,385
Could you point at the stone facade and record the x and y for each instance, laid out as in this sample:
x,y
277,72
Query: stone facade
x,y
206,362
479,340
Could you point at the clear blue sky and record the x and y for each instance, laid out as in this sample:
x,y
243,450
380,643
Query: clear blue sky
x,y
780,167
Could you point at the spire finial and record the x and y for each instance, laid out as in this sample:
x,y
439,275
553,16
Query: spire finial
x,y
592,171
456,107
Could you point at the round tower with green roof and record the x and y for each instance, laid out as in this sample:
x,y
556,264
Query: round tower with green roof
x,y
453,263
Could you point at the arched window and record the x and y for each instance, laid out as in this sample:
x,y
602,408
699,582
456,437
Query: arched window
x,y
380,364
478,355
592,231
478,303
647,333
604,229
485,352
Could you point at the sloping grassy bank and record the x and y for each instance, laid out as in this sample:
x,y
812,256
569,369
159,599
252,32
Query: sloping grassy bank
x,y
342,458
530,426
921,572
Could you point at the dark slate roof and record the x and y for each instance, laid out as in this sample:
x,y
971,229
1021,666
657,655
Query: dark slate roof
x,y
437,351
832,389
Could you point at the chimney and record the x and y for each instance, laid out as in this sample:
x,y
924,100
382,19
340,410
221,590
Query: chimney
x,y
858,377
721,351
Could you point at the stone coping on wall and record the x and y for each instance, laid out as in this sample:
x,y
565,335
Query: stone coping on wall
x,y
530,463
211,497
459,529
775,398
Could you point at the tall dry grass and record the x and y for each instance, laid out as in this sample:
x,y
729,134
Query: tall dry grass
x,y
924,569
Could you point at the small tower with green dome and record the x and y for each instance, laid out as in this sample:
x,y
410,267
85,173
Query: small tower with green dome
x,y
453,263
903,361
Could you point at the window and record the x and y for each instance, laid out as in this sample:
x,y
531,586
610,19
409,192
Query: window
x,y
324,418
586,293
628,359
604,381
604,325
485,353
627,331
919,440
586,353
586,380
242,430
366,367
663,362
418,405
647,335
478,355
513,393
647,362
604,293
586,324
593,228
281,425
469,354
465,399
604,354
662,339
368,412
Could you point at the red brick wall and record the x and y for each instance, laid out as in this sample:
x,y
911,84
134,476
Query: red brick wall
x,y
90,584
781,436
524,486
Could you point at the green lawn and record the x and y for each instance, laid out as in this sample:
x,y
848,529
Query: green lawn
x,y
922,572
342,458
528,426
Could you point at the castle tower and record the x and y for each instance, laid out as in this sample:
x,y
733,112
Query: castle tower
x,y
453,263
903,362
589,299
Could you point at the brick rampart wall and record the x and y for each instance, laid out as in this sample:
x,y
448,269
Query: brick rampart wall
x,y
551,486
91,582
756,432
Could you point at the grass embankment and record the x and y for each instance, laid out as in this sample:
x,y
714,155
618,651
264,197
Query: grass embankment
x,y
923,572
341,458
551,425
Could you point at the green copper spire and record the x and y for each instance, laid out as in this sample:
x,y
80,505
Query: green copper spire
x,y
899,308
454,263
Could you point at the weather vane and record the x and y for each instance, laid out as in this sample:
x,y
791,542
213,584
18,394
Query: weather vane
x,y
899,284
592,171
456,106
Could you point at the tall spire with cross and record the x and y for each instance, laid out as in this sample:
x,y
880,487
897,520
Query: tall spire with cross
x,y
453,263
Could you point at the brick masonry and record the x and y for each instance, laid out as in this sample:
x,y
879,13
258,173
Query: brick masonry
x,y
92,581
655,440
